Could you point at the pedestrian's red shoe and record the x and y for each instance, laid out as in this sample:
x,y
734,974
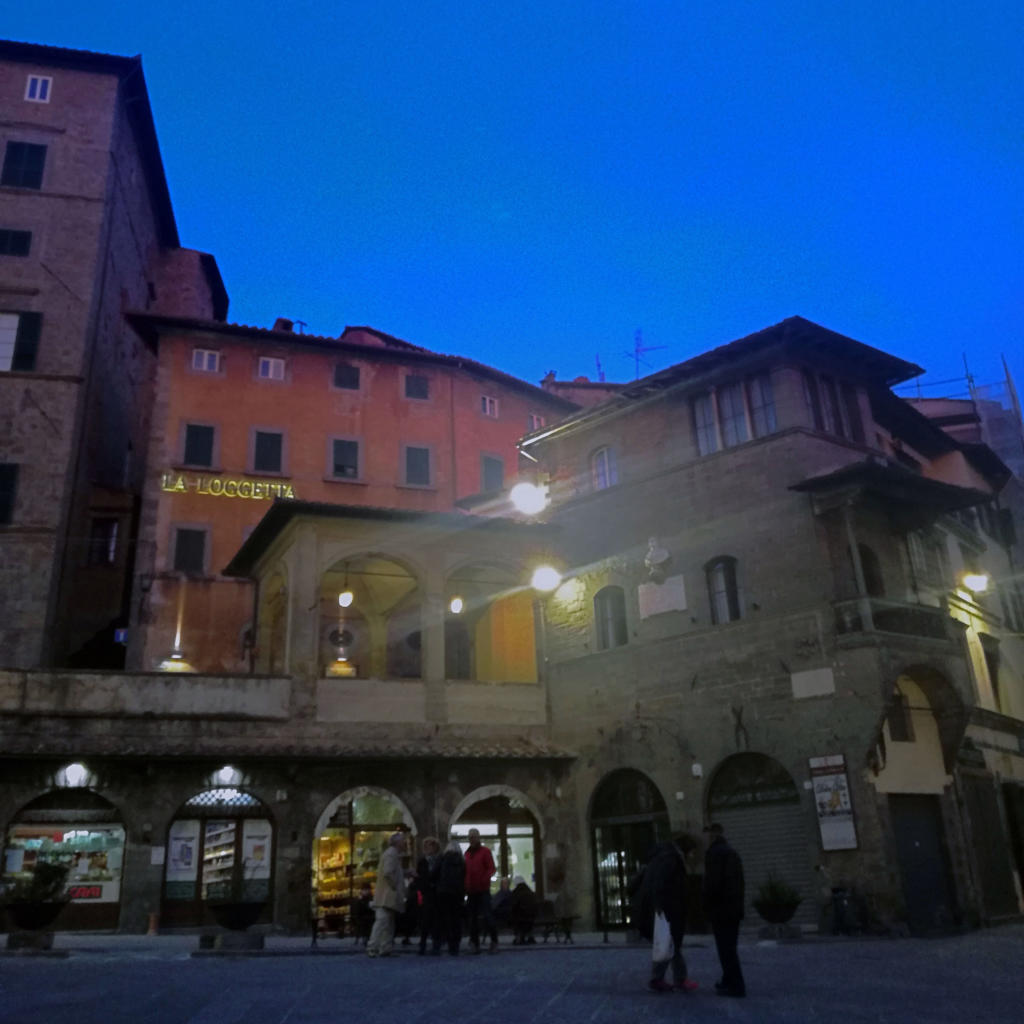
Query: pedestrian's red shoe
x,y
686,985
657,985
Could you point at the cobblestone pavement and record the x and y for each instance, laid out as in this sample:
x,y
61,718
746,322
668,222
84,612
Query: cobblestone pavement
x,y
137,980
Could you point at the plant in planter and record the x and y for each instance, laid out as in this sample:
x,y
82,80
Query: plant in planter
x,y
776,900
34,903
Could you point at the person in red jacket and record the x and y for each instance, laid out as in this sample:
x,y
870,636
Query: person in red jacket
x,y
479,872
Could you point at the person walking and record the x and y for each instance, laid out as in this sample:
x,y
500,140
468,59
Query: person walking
x,y
451,894
723,903
479,872
664,885
388,897
427,870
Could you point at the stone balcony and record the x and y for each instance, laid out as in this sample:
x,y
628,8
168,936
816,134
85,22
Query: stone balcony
x,y
878,615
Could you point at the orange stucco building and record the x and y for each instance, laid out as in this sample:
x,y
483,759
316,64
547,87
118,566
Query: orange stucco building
x,y
243,416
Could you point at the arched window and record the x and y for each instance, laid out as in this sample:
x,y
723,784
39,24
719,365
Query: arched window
x,y
603,469
610,618
723,595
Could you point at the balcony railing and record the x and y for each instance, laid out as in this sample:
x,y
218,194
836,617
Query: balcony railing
x,y
877,615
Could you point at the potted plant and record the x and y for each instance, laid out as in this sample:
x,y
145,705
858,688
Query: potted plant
x,y
776,901
33,903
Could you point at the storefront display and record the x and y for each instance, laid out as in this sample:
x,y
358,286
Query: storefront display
x,y
346,857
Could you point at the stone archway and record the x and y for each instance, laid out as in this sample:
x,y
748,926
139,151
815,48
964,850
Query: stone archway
x,y
757,802
628,815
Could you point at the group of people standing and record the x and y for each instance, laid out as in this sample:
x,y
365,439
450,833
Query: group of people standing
x,y
448,886
660,907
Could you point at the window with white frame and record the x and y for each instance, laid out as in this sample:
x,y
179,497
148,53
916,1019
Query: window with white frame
x,y
270,368
604,472
732,415
723,594
762,405
37,88
489,406
834,406
19,340
534,422
206,360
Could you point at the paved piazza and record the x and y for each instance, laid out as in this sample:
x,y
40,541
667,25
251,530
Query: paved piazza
x,y
136,980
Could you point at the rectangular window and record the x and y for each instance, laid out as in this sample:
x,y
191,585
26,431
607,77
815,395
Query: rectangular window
x,y
190,551
206,360
762,405
734,416
37,89
417,466
534,422
271,368
198,445
267,451
492,475
417,386
830,407
103,541
8,489
346,376
812,399
23,165
489,406
345,459
704,424
19,340
852,408
15,243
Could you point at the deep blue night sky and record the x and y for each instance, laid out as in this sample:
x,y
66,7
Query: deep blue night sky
x,y
529,184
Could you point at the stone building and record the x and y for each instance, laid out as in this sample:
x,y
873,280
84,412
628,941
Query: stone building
x,y
242,416
86,230
775,616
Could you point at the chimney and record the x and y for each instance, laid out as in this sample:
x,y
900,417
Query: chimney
x,y
282,323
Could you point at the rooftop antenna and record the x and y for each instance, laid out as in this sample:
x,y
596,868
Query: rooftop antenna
x,y
600,372
300,324
970,380
640,350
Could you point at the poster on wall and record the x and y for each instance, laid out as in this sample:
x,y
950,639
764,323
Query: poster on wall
x,y
183,851
832,802
256,836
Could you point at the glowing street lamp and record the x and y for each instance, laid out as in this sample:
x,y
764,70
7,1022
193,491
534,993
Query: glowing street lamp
x,y
529,498
456,605
545,578
976,582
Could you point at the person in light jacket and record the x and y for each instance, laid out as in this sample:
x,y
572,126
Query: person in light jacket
x,y
388,897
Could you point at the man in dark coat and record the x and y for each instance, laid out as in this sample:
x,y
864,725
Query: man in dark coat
x,y
451,889
664,892
723,903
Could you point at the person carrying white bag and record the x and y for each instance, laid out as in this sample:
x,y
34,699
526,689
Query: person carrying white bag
x,y
664,883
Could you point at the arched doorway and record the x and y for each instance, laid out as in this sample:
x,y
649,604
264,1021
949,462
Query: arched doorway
x,y
757,803
509,825
627,817
219,846
350,837
77,828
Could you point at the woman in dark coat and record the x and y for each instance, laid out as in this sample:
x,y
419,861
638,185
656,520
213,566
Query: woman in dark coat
x,y
427,870
665,893
451,892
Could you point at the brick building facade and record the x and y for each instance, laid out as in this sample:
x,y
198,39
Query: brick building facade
x,y
86,231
